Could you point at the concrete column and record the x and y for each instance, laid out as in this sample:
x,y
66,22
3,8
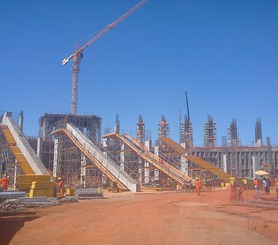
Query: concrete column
x,y
184,163
83,170
147,165
156,171
255,165
20,120
55,158
225,165
39,147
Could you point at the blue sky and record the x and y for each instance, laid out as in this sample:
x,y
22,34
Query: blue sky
x,y
223,53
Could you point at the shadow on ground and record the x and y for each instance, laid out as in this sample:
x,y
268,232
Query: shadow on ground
x,y
12,222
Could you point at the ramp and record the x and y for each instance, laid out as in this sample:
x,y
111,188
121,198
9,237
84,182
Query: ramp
x,y
31,166
21,160
102,162
145,154
199,161
20,147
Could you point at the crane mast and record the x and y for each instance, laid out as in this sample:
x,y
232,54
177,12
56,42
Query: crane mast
x,y
77,55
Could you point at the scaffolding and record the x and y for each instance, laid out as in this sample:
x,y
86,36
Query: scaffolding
x,y
233,139
258,133
209,132
59,154
187,133
72,166
140,130
89,125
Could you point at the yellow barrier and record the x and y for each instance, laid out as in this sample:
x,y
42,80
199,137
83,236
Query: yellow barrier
x,y
69,192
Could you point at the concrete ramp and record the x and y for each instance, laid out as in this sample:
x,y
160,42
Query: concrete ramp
x,y
26,157
145,154
102,162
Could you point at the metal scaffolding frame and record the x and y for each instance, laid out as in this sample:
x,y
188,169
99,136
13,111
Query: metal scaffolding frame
x,y
88,124
186,133
68,159
72,166
123,156
209,132
233,139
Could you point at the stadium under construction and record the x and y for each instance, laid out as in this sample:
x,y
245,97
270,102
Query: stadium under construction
x,y
73,147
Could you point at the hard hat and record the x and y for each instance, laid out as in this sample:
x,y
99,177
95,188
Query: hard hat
x,y
59,178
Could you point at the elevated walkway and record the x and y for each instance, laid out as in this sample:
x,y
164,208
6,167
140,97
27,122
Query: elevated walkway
x,y
145,154
102,162
199,161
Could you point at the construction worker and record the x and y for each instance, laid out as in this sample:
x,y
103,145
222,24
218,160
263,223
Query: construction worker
x,y
4,182
257,186
60,184
198,186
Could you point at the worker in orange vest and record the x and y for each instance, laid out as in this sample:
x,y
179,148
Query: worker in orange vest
x,y
257,186
4,182
60,184
198,186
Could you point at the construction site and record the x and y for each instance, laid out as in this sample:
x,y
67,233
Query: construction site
x,y
107,175
122,169
72,147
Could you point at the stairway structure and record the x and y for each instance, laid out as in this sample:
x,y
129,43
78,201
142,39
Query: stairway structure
x,y
145,154
21,160
31,166
199,161
107,166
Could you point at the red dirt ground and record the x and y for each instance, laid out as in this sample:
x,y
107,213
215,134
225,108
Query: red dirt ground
x,y
144,218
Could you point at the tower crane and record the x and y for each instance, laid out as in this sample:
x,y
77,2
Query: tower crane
x,y
78,54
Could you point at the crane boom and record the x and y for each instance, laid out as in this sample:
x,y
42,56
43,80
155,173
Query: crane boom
x,y
77,55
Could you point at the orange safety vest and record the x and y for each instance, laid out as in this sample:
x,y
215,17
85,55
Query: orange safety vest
x,y
198,184
256,182
4,182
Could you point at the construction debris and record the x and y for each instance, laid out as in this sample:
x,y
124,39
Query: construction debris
x,y
68,199
11,204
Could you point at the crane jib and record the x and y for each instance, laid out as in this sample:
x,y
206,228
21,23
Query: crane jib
x,y
77,58
106,29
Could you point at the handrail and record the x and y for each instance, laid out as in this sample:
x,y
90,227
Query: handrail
x,y
199,161
143,152
93,153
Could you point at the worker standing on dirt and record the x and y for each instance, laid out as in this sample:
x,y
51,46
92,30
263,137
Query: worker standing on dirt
x,y
198,186
61,186
4,182
257,187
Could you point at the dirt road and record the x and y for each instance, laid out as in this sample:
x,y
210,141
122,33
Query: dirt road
x,y
145,218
